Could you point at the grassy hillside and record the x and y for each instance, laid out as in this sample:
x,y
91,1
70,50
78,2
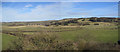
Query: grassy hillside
x,y
66,22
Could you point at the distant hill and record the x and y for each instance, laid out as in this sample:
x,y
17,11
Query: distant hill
x,y
68,21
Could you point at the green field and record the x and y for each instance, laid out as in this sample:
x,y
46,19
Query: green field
x,y
97,35
6,40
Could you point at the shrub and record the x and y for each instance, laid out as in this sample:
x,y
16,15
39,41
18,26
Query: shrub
x,y
96,23
45,41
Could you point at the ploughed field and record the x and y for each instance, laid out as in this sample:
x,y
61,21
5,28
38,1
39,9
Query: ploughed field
x,y
60,37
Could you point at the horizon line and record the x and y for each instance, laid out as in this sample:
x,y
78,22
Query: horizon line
x,y
53,19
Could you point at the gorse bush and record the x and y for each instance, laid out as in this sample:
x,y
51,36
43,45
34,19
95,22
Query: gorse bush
x,y
43,41
16,44
46,41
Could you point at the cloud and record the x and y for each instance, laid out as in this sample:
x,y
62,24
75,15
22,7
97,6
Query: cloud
x,y
9,14
29,5
53,11
0,18
40,12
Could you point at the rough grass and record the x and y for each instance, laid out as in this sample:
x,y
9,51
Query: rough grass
x,y
103,34
17,27
97,35
6,40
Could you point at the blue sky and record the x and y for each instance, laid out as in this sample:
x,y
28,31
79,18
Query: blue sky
x,y
60,0
40,11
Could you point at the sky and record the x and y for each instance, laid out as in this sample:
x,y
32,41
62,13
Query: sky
x,y
60,0
41,11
